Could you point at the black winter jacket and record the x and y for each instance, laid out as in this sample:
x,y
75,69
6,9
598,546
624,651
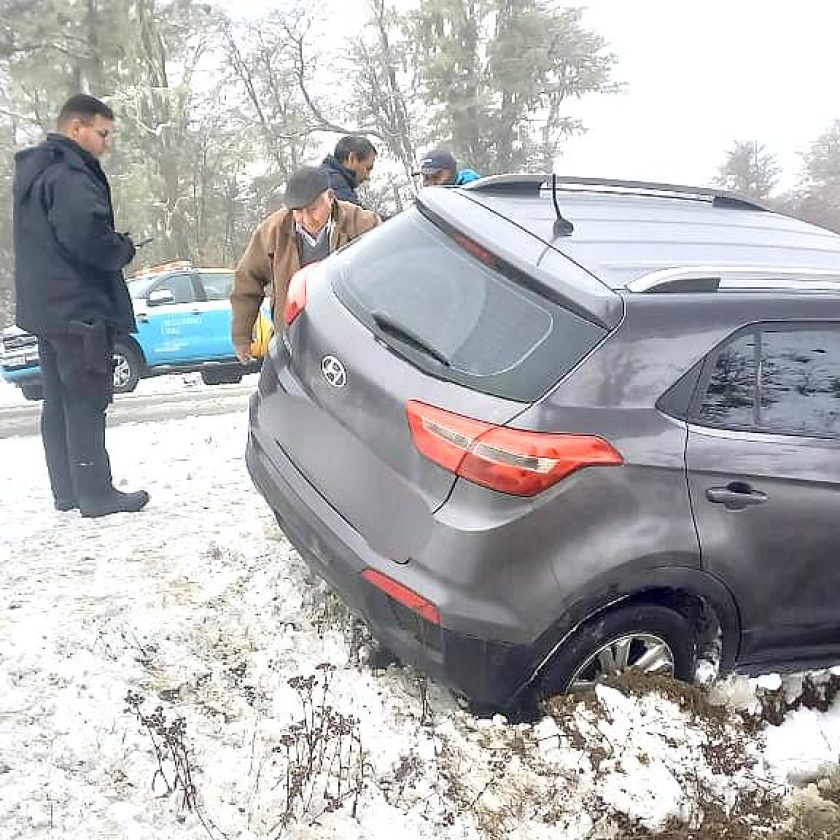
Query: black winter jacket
x,y
68,257
342,180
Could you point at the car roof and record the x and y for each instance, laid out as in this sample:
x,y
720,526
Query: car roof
x,y
624,231
177,267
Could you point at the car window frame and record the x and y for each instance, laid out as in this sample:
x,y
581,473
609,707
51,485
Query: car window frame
x,y
199,281
198,292
710,363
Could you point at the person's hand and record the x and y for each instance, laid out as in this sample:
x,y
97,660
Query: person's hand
x,y
243,353
132,250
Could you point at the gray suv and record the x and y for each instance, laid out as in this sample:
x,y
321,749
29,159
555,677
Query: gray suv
x,y
537,431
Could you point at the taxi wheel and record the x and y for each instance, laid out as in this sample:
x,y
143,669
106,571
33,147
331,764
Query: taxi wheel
x,y
221,377
126,368
32,391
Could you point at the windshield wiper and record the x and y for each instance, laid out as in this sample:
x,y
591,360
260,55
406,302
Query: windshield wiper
x,y
388,325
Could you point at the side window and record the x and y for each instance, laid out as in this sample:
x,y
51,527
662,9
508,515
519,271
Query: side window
x,y
180,285
800,381
776,380
217,286
729,399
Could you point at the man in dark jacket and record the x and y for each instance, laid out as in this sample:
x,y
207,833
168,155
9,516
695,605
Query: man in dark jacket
x,y
349,167
70,292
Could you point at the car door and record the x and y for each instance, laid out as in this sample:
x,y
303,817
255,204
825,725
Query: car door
x,y
216,340
170,326
763,459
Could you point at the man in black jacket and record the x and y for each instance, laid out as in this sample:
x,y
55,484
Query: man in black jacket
x,y
70,292
349,166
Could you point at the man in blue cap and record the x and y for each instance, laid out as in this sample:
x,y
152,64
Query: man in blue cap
x,y
440,169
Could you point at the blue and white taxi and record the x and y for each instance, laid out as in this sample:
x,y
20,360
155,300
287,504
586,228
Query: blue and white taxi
x,y
183,324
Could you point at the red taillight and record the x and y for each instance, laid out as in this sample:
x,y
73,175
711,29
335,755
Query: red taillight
x,y
513,461
403,595
295,296
478,251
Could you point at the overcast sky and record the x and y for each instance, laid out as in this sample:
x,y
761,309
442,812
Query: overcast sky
x,y
698,76
701,75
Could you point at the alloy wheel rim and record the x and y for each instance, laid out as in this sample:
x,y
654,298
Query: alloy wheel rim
x,y
122,371
640,652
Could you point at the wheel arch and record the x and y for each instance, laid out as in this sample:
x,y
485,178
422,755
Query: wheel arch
x,y
133,344
679,587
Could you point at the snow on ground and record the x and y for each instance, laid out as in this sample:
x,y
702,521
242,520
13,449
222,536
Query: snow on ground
x,y
10,394
179,674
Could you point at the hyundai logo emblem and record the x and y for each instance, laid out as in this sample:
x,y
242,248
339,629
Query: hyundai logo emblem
x,y
333,372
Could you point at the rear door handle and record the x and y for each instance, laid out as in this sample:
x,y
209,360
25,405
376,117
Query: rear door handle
x,y
142,318
735,496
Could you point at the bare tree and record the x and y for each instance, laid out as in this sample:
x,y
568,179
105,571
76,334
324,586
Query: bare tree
x,y
378,58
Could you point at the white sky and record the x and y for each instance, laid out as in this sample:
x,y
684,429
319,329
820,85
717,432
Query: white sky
x,y
698,76
701,75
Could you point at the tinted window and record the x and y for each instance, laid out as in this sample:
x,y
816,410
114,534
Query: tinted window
x,y
729,399
217,286
800,381
446,311
795,389
180,285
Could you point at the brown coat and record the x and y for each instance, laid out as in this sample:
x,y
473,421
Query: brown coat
x,y
271,259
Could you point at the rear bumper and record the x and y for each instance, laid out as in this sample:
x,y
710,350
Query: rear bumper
x,y
18,375
488,672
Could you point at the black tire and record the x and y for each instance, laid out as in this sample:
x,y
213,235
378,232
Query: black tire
x,y
573,666
221,376
32,391
127,366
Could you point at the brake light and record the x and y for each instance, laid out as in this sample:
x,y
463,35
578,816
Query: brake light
x,y
295,296
403,595
478,251
514,461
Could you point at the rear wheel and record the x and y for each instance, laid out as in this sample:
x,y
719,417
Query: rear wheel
x,y
127,366
32,390
221,376
639,638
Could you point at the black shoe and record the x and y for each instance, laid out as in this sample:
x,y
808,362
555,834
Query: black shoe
x,y
66,504
114,501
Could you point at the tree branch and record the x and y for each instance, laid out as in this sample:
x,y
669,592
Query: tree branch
x,y
300,73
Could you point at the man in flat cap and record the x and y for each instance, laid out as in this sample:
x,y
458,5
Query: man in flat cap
x,y
311,225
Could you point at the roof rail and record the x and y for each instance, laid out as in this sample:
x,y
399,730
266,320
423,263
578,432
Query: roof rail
x,y
710,278
531,183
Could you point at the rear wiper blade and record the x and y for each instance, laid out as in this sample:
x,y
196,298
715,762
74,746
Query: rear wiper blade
x,y
388,325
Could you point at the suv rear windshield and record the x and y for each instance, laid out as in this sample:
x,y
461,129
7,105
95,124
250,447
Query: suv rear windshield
x,y
458,319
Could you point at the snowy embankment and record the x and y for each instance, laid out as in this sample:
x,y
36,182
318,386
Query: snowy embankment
x,y
179,674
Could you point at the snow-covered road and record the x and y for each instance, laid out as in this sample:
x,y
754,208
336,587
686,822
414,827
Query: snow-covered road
x,y
199,606
160,398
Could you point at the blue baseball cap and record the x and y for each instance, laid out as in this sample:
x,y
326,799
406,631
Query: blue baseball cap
x,y
437,160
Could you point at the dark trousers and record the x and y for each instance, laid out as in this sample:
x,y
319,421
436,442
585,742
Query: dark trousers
x,y
77,372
